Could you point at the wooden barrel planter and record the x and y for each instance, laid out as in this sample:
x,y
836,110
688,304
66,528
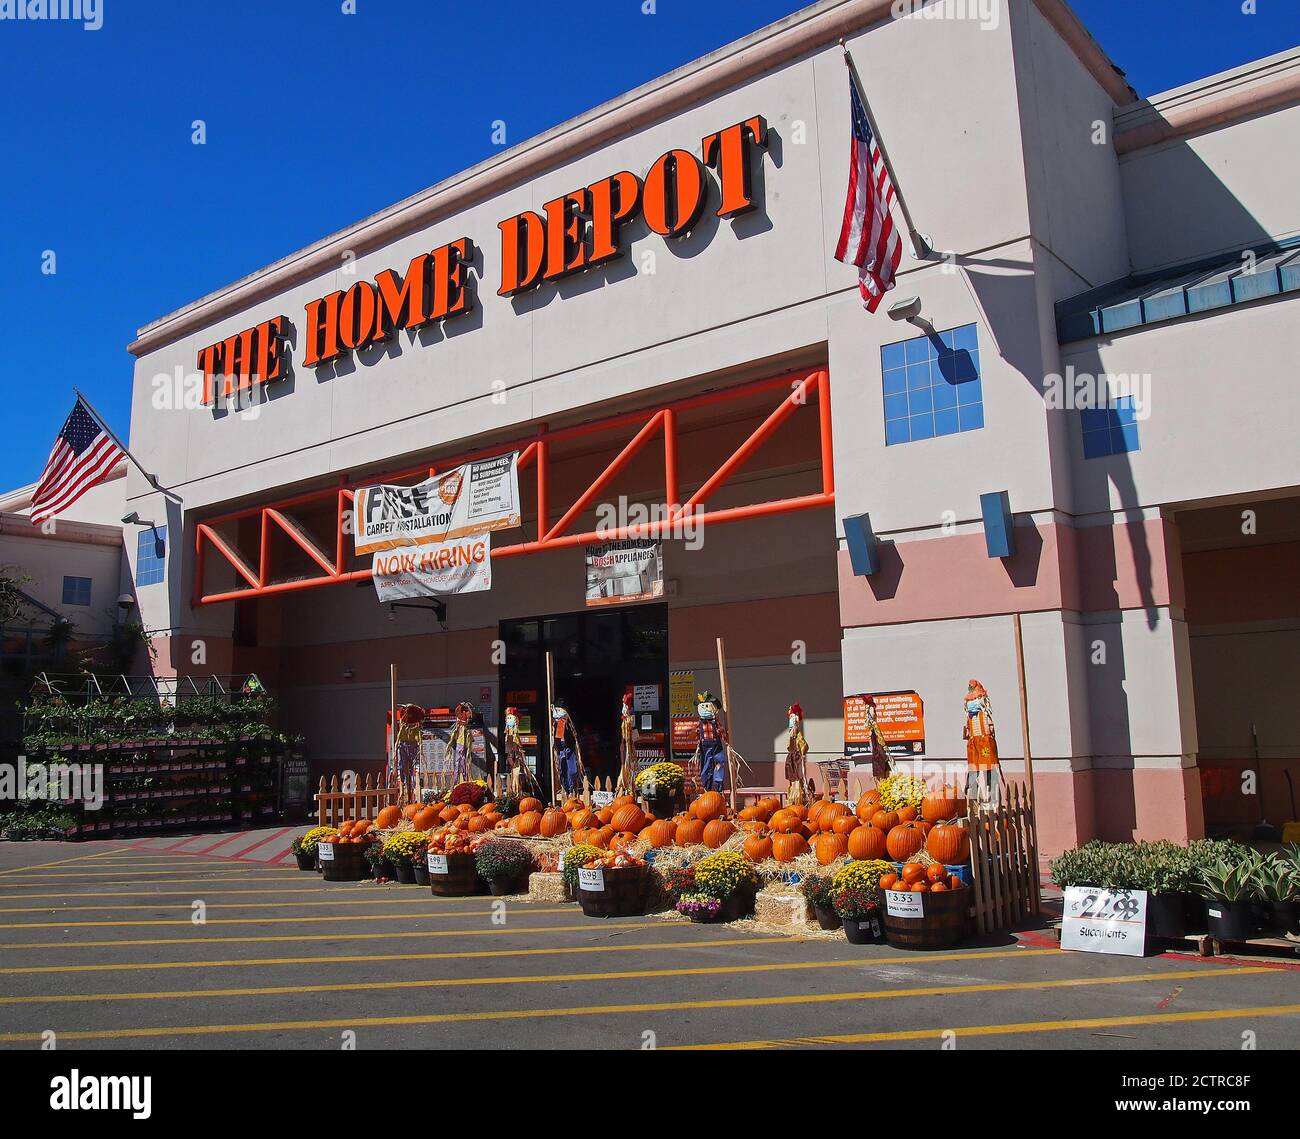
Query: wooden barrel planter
x,y
452,875
613,893
343,861
926,921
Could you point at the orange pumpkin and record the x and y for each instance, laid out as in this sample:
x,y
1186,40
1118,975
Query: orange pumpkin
x,y
747,815
866,843
828,846
529,804
690,832
868,805
921,887
913,872
787,847
477,823
709,806
628,817
767,807
427,819
447,815
846,824
345,828
885,820
716,832
936,872
622,801
903,841
411,810
955,882
758,848
553,823
621,840
785,821
388,817
938,888
605,815
888,881
660,833
360,828
529,823
942,804
948,842
906,814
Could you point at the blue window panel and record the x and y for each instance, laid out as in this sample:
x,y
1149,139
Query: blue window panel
x,y
965,337
922,426
1096,444
1095,419
895,407
918,349
76,590
1123,438
970,393
1125,410
946,422
895,382
971,416
945,395
1110,431
918,376
920,401
893,356
896,431
151,556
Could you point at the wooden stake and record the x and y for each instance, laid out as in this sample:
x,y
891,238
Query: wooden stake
x,y
1029,758
550,727
726,718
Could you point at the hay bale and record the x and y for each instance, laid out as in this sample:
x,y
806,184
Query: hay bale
x,y
780,908
547,888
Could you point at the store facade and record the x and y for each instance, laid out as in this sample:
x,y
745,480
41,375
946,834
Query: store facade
x,y
643,304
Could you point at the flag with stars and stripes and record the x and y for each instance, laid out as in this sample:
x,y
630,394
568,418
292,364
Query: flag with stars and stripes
x,y
83,454
868,238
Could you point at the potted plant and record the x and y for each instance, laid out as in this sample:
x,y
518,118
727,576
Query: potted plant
x,y
504,863
575,858
661,786
726,876
381,870
819,892
403,850
1230,893
1278,880
304,846
859,913
1168,875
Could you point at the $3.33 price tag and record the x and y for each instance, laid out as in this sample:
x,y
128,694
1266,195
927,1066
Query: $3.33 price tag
x,y
325,851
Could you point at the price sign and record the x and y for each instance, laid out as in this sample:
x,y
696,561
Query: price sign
x,y
593,881
602,798
325,851
1105,921
904,904
438,864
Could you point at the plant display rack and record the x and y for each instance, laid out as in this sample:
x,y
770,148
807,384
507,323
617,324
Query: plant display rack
x,y
201,756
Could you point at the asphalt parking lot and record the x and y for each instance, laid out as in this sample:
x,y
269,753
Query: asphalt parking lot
x,y
99,945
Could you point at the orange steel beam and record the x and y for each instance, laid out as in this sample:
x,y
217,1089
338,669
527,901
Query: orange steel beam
x,y
537,450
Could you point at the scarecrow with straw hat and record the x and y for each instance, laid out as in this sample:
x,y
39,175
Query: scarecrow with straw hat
x,y
520,778
796,757
627,750
568,752
983,771
879,750
713,747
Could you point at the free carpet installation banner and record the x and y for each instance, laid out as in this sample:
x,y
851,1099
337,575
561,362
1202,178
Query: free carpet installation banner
x,y
434,569
474,498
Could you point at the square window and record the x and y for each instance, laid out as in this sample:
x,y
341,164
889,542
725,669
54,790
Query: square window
x,y
1095,419
151,556
1123,437
1096,444
76,590
1125,410
1110,431
937,389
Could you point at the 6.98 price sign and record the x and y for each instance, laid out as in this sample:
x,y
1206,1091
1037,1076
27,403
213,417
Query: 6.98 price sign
x,y
1105,921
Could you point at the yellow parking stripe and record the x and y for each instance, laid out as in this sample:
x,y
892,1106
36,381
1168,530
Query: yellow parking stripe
x,y
60,862
624,975
385,899
1029,1026
81,875
274,920
278,892
642,1007
169,881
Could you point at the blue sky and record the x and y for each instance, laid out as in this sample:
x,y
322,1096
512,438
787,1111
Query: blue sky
x,y
360,110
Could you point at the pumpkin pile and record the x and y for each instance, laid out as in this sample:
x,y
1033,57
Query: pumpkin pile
x,y
449,840
351,831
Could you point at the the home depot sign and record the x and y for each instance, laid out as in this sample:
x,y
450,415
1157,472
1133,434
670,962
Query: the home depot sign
x,y
572,233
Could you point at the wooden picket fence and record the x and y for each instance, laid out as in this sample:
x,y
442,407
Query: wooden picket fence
x,y
1004,861
367,798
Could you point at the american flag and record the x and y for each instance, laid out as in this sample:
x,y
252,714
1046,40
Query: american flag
x,y
83,454
868,237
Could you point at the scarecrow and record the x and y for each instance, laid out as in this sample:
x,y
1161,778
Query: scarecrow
x,y
796,757
627,752
714,747
520,779
460,743
568,752
405,748
879,752
983,771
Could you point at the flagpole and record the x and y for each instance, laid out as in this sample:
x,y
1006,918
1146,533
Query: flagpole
x,y
152,481
921,248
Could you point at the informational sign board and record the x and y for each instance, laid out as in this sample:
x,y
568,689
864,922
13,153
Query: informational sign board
x,y
1105,921
295,792
630,569
601,799
645,698
434,569
900,716
438,864
325,852
473,498
593,881
904,904
681,693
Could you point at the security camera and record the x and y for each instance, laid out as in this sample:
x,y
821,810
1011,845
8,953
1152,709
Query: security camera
x,y
132,519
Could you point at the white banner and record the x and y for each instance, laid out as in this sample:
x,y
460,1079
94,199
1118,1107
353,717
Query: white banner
x,y
435,569
629,569
471,499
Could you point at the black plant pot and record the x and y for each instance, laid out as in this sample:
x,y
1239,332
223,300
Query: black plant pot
x,y
1230,921
866,931
306,859
826,917
405,872
1166,916
384,869
421,871
1194,913
501,887
1286,916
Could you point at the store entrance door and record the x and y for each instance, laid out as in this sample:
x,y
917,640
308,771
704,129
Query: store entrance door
x,y
598,654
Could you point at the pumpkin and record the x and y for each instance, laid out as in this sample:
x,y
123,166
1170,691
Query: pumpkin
x,y
345,828
936,872
906,814
529,822
903,841
477,823
937,888
948,842
622,840
828,846
767,807
955,882
660,832
427,819
747,815
605,815
411,810
785,821
885,820
690,833
360,828
572,804
553,823
599,838
913,872
709,806
622,801
816,812
921,887
493,817
845,824
388,817
447,815
628,817
758,848
716,832
868,805
788,846
942,804
529,804
888,881
867,843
